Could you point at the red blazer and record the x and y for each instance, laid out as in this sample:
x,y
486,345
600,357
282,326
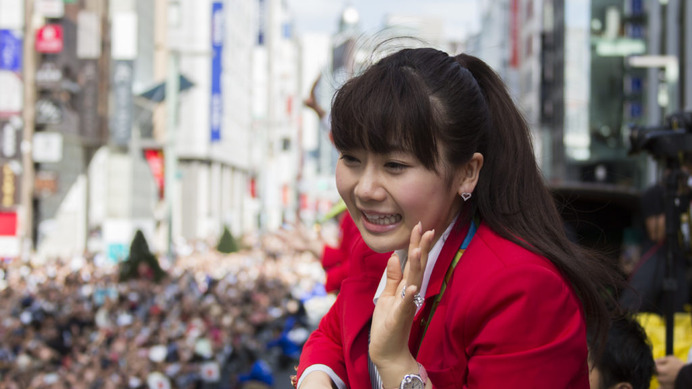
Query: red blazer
x,y
335,260
508,319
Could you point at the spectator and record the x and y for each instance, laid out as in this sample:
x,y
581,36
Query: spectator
x,y
673,373
626,361
78,327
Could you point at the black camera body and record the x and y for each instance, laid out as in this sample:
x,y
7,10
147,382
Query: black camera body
x,y
668,140
671,144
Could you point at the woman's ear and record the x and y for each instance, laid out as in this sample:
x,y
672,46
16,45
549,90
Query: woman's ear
x,y
467,175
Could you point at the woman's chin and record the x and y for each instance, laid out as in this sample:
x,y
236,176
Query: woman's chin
x,y
385,245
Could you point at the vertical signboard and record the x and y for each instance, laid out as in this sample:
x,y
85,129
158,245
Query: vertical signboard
x,y
10,51
11,94
88,35
514,34
10,173
124,35
121,121
10,136
154,158
261,23
216,101
9,185
11,90
87,103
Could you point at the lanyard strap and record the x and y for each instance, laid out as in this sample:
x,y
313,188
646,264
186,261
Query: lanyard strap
x,y
469,235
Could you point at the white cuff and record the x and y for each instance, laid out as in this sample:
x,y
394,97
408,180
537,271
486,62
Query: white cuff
x,y
323,368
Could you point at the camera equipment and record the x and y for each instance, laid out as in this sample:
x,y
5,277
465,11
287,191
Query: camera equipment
x,y
667,140
670,143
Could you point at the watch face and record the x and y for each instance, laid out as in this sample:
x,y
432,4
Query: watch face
x,y
412,381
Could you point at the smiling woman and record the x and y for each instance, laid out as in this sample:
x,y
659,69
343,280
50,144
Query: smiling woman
x,y
485,289
388,194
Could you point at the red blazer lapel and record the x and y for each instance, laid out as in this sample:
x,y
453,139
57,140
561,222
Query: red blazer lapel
x,y
367,267
449,250
366,271
361,307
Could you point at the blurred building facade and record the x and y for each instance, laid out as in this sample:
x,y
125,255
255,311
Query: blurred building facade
x,y
276,112
180,117
570,67
176,117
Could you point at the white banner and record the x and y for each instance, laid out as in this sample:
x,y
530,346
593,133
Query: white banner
x,y
12,94
9,246
88,35
124,36
12,14
49,8
47,147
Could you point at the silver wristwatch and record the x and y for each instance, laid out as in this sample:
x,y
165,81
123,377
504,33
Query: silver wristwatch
x,y
415,381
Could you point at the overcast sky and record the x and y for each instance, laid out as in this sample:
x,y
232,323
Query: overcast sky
x,y
461,17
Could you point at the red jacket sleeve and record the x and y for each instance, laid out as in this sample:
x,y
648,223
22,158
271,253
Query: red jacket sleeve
x,y
324,344
336,333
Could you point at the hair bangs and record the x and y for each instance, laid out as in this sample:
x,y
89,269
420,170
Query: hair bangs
x,y
386,110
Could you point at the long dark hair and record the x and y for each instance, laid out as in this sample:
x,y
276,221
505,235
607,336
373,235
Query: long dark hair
x,y
417,99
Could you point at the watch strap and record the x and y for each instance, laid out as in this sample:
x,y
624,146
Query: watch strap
x,y
422,376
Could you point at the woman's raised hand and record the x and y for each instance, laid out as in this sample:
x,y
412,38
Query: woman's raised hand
x,y
393,316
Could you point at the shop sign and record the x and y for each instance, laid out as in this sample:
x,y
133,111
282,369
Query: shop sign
x,y
48,75
49,39
9,185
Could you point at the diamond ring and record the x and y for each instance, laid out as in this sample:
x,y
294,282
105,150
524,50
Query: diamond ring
x,y
418,300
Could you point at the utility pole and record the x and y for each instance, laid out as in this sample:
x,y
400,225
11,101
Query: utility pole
x,y
26,219
170,151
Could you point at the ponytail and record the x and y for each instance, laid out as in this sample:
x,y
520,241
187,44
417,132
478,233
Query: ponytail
x,y
513,200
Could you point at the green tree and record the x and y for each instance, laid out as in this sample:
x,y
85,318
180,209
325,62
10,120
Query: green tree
x,y
227,243
141,262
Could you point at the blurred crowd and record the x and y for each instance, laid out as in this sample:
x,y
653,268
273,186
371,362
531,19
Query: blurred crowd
x,y
216,321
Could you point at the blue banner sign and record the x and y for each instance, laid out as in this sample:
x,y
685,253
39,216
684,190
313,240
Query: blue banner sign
x,y
10,51
216,101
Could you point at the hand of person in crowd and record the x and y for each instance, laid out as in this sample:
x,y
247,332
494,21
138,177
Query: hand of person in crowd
x,y
298,238
393,316
312,103
667,369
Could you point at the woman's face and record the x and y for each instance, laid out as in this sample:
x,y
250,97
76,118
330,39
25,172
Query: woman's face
x,y
388,194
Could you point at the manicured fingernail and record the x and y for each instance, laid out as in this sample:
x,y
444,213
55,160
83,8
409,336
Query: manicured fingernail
x,y
420,227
